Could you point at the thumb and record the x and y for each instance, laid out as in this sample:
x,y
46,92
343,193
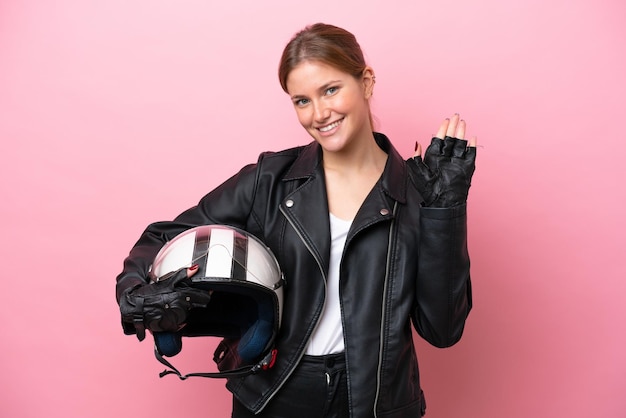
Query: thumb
x,y
418,150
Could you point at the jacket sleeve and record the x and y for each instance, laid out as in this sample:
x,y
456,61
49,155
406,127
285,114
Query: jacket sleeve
x,y
228,204
443,292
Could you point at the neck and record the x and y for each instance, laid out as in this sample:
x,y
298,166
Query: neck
x,y
363,155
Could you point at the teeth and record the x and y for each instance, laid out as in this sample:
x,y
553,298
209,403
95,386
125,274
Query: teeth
x,y
329,127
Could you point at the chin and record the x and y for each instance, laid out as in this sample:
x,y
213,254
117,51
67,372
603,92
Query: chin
x,y
332,144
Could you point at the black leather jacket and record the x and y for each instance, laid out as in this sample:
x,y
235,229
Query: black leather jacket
x,y
402,264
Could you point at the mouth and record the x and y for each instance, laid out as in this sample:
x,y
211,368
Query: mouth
x,y
330,126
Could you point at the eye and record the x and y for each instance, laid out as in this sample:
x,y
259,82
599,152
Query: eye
x,y
300,102
331,90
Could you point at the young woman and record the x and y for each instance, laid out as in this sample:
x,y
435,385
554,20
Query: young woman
x,y
369,244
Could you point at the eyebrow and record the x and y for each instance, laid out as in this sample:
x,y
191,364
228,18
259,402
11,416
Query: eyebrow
x,y
323,87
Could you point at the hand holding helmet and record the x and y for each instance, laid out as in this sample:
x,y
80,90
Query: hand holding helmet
x,y
164,304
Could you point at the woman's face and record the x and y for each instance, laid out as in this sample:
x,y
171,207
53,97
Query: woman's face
x,y
331,105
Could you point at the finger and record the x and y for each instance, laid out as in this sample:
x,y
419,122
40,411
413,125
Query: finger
x,y
454,121
418,150
192,270
473,142
448,146
460,146
443,128
460,130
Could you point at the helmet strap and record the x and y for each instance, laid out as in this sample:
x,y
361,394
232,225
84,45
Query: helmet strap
x,y
266,363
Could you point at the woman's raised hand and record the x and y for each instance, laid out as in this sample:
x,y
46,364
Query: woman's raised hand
x,y
443,176
452,127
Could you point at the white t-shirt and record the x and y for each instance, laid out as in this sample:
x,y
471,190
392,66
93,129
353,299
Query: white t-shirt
x,y
328,336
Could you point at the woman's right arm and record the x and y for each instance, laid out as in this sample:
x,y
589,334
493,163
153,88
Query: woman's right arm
x,y
228,204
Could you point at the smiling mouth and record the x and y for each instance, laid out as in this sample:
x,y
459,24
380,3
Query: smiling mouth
x,y
331,126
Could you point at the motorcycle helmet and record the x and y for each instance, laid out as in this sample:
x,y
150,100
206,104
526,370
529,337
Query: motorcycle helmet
x,y
245,283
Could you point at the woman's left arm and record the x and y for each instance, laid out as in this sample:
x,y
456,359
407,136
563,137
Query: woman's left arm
x,y
443,290
443,295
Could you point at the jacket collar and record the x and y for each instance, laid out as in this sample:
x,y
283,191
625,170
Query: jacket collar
x,y
393,179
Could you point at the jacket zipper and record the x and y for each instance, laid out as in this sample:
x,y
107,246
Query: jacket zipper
x,y
319,265
384,312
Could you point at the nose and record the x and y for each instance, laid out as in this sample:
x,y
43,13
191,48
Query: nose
x,y
321,112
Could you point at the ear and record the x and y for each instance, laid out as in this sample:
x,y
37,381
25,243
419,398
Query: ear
x,y
368,79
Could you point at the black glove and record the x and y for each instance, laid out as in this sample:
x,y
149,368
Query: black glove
x,y
443,178
163,305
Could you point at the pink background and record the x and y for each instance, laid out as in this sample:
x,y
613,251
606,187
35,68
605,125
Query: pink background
x,y
119,113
